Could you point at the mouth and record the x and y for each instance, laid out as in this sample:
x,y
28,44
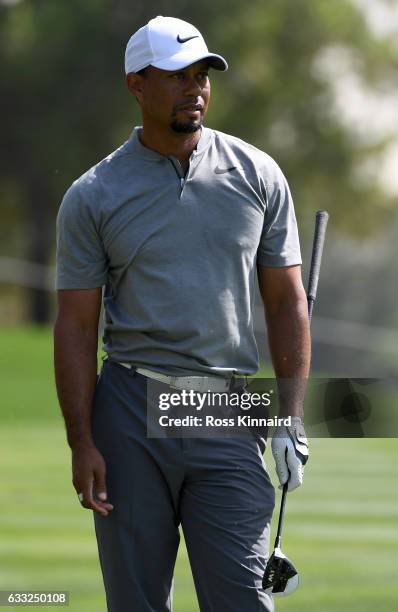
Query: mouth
x,y
190,110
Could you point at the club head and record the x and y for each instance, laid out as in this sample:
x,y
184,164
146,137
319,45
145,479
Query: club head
x,y
280,576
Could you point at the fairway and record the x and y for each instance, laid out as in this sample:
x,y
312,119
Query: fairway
x,y
341,526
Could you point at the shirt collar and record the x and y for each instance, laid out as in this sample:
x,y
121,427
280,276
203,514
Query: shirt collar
x,y
136,146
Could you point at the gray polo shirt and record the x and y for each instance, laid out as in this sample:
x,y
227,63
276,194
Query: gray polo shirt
x,y
177,255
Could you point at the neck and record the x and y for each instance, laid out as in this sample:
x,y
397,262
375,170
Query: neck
x,y
169,143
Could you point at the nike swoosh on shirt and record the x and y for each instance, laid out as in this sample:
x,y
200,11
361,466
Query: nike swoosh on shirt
x,y
184,40
218,170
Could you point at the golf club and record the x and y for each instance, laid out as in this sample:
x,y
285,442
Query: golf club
x,y
280,576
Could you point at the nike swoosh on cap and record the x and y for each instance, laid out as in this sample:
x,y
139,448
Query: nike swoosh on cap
x,y
218,170
184,40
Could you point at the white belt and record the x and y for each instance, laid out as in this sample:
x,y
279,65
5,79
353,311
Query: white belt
x,y
196,383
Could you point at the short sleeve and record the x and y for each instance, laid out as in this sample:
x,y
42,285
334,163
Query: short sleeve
x,y
279,244
81,258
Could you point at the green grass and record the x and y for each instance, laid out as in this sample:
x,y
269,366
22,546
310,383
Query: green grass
x,y
341,528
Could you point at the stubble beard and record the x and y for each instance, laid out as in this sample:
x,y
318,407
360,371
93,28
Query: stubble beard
x,y
185,127
190,126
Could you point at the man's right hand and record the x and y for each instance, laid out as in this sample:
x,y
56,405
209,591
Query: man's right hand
x,y
88,468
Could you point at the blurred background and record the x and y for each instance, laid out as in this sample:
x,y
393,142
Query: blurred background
x,y
314,84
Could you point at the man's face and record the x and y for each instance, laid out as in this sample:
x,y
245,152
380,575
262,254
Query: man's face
x,y
177,100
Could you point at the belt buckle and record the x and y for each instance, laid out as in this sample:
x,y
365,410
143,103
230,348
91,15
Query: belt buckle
x,y
194,383
203,383
182,385
200,384
188,383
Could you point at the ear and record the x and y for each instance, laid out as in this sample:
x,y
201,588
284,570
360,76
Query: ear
x,y
134,84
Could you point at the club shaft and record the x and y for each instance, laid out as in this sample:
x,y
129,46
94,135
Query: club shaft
x,y
321,221
280,519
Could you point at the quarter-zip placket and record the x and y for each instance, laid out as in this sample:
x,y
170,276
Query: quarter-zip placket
x,y
178,170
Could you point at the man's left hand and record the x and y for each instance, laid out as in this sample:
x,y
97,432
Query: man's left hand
x,y
290,450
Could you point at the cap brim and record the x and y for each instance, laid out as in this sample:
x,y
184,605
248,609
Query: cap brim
x,y
184,59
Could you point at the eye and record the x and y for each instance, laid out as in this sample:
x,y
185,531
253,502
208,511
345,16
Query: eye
x,y
178,76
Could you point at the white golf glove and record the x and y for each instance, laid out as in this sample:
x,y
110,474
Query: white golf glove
x,y
290,450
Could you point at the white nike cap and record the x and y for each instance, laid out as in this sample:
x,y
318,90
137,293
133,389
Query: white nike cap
x,y
169,44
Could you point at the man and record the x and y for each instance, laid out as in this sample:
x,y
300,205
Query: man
x,y
174,223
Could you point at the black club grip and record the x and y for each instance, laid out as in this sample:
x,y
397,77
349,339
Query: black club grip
x,y
321,221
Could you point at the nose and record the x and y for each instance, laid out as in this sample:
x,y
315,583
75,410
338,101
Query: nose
x,y
193,87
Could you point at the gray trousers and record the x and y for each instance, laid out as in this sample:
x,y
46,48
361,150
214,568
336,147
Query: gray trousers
x,y
218,489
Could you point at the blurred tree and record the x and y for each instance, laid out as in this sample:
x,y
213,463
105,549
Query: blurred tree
x,y
278,96
65,106
62,62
